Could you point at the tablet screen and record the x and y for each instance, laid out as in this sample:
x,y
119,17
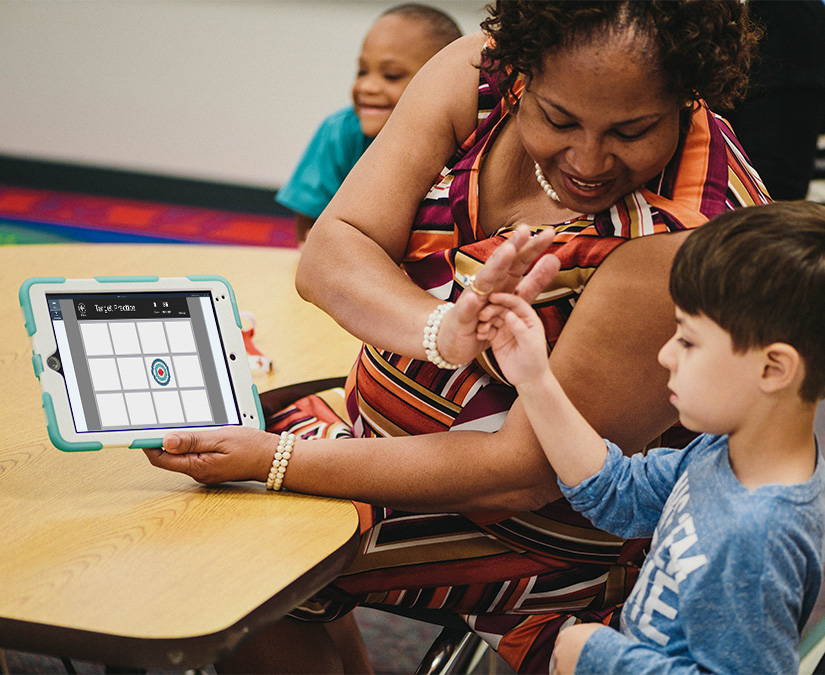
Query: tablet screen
x,y
142,360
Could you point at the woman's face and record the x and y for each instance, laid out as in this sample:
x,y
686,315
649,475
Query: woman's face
x,y
598,122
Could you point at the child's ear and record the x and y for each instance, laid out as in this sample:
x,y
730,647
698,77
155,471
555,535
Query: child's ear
x,y
782,368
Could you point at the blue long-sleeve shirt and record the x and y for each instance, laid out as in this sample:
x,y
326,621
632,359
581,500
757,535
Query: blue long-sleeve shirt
x,y
732,573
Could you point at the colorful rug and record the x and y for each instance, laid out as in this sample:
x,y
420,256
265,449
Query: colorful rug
x,y
43,216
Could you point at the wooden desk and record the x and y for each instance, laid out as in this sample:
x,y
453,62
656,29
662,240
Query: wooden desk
x,y
106,558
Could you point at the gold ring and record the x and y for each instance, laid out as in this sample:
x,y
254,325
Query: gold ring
x,y
475,289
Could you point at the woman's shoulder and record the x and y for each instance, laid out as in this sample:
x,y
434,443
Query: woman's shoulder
x,y
710,173
469,46
453,74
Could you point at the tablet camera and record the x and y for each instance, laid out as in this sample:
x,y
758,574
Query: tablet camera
x,y
53,362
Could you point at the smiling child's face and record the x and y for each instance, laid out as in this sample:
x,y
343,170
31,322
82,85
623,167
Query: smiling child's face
x,y
393,51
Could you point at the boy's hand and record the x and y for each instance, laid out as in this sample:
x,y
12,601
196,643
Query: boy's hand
x,y
516,335
569,646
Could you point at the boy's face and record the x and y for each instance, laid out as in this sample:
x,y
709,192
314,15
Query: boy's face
x,y
712,387
393,51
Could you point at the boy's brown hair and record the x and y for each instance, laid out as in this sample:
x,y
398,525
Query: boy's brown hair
x,y
759,273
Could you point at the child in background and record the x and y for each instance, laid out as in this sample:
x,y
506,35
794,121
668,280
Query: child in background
x,y
737,517
400,41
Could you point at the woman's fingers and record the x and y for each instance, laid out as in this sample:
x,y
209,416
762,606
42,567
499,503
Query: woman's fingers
x,y
182,450
508,264
468,306
170,462
216,455
496,274
538,278
503,272
535,246
516,324
182,442
531,249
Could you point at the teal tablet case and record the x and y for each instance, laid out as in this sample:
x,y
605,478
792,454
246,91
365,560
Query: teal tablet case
x,y
37,359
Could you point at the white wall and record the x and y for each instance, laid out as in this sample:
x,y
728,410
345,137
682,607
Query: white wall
x,y
221,90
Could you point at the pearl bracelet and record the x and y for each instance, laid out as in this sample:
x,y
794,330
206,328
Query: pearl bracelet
x,y
431,336
283,452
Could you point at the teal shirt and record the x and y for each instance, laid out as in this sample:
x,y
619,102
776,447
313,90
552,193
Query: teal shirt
x,y
332,152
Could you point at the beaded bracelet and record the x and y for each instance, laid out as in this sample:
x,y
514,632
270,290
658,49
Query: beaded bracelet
x,y
280,460
431,337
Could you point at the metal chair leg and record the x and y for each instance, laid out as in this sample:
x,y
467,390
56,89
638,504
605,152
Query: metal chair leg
x,y
453,651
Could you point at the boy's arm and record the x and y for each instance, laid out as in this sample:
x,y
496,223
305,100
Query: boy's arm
x,y
585,651
517,337
621,495
740,613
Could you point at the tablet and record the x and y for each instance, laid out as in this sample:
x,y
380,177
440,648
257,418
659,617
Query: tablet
x,y
124,360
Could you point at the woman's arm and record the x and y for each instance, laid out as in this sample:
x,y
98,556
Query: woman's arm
x,y
605,360
349,266
303,224
606,356
517,338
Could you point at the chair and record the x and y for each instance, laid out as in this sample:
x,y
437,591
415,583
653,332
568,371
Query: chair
x,y
812,649
455,650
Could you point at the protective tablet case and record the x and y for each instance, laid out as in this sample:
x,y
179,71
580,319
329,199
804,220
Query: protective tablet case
x,y
37,360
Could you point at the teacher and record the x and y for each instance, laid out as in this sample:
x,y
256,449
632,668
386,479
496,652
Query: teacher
x,y
593,119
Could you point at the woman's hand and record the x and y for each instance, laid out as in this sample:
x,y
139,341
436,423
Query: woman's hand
x,y
217,455
516,334
569,646
505,271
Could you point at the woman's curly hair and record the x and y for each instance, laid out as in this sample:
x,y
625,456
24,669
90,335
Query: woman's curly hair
x,y
704,47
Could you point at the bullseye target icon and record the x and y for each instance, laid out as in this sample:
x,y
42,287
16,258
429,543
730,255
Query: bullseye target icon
x,y
160,371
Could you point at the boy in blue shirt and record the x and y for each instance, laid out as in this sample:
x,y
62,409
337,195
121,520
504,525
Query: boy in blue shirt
x,y
400,41
737,517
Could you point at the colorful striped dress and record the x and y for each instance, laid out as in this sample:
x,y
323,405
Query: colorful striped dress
x,y
516,578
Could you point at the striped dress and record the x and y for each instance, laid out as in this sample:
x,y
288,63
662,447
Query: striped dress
x,y
516,578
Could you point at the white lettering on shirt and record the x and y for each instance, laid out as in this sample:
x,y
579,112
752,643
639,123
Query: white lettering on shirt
x,y
667,566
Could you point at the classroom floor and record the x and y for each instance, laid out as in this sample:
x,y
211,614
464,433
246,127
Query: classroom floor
x,y
396,646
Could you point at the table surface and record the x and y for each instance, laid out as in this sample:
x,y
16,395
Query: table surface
x,y
107,558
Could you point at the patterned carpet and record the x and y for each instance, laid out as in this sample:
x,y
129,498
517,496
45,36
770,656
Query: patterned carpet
x,y
29,216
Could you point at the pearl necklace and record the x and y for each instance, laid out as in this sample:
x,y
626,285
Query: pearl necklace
x,y
545,184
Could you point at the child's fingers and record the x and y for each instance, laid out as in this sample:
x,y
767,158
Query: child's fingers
x,y
486,333
489,312
516,305
515,323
